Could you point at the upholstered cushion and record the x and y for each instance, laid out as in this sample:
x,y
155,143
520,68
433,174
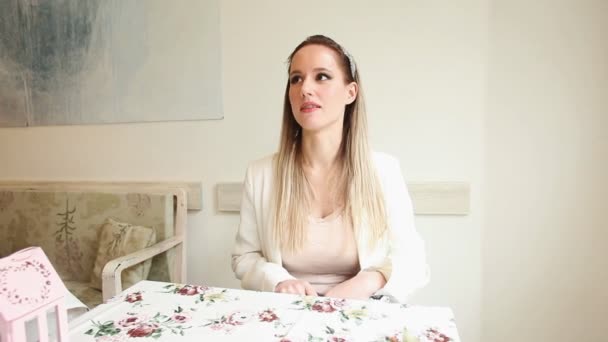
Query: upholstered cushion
x,y
117,239
84,292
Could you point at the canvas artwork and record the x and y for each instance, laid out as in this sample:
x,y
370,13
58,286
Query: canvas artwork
x,y
65,62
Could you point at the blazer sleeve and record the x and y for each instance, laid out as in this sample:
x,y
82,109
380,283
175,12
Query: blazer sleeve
x,y
249,263
406,263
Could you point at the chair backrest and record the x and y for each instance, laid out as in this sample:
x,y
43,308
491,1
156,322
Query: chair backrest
x,y
29,287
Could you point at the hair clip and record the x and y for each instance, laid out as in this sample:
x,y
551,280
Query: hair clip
x,y
351,61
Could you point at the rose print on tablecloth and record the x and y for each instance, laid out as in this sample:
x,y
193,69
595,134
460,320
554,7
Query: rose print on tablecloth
x,y
347,313
270,316
227,323
428,335
185,290
356,315
204,294
325,305
146,313
141,325
331,335
135,298
434,335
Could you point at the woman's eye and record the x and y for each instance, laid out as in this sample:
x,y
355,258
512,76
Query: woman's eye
x,y
322,77
295,79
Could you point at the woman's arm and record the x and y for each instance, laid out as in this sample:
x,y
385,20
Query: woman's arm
x,y
406,258
248,261
404,268
296,286
361,286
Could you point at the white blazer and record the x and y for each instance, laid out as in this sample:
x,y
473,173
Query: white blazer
x,y
401,256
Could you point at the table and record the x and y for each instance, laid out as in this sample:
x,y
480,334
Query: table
x,y
157,311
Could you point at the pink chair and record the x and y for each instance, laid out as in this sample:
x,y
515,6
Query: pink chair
x,y
29,287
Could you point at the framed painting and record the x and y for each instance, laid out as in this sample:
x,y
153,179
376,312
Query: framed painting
x,y
66,62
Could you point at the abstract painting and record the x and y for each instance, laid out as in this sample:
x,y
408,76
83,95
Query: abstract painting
x,y
67,62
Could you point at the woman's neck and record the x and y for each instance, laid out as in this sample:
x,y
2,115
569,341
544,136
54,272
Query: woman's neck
x,y
320,149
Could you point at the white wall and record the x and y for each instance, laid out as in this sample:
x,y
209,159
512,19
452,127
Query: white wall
x,y
423,71
509,96
545,264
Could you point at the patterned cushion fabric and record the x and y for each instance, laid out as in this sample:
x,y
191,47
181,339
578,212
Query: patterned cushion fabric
x,y
117,239
84,292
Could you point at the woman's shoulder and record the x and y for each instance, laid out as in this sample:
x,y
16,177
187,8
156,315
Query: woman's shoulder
x,y
384,161
263,162
260,167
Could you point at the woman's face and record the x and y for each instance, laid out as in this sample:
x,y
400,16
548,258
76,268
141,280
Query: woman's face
x,y
318,91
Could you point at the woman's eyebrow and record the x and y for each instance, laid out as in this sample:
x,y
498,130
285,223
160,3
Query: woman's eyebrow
x,y
315,69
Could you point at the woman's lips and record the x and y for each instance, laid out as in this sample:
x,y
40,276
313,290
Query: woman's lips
x,y
308,107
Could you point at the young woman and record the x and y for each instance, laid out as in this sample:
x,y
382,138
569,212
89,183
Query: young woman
x,y
325,215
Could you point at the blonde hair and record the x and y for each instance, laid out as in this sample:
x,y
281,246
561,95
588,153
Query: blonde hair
x,y
364,201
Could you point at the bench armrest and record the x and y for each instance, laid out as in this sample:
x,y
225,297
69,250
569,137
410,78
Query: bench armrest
x,y
111,274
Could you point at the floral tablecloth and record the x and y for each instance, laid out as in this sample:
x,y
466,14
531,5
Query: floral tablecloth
x,y
157,311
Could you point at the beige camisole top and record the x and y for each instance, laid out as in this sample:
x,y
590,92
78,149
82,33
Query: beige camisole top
x,y
329,255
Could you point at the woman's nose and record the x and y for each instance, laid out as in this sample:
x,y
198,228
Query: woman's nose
x,y
306,88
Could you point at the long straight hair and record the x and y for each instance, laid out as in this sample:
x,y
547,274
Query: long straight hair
x,y
363,199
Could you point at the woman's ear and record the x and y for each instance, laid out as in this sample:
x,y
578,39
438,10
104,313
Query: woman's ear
x,y
352,90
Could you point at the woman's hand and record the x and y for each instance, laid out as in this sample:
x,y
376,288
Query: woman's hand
x,y
361,286
295,286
